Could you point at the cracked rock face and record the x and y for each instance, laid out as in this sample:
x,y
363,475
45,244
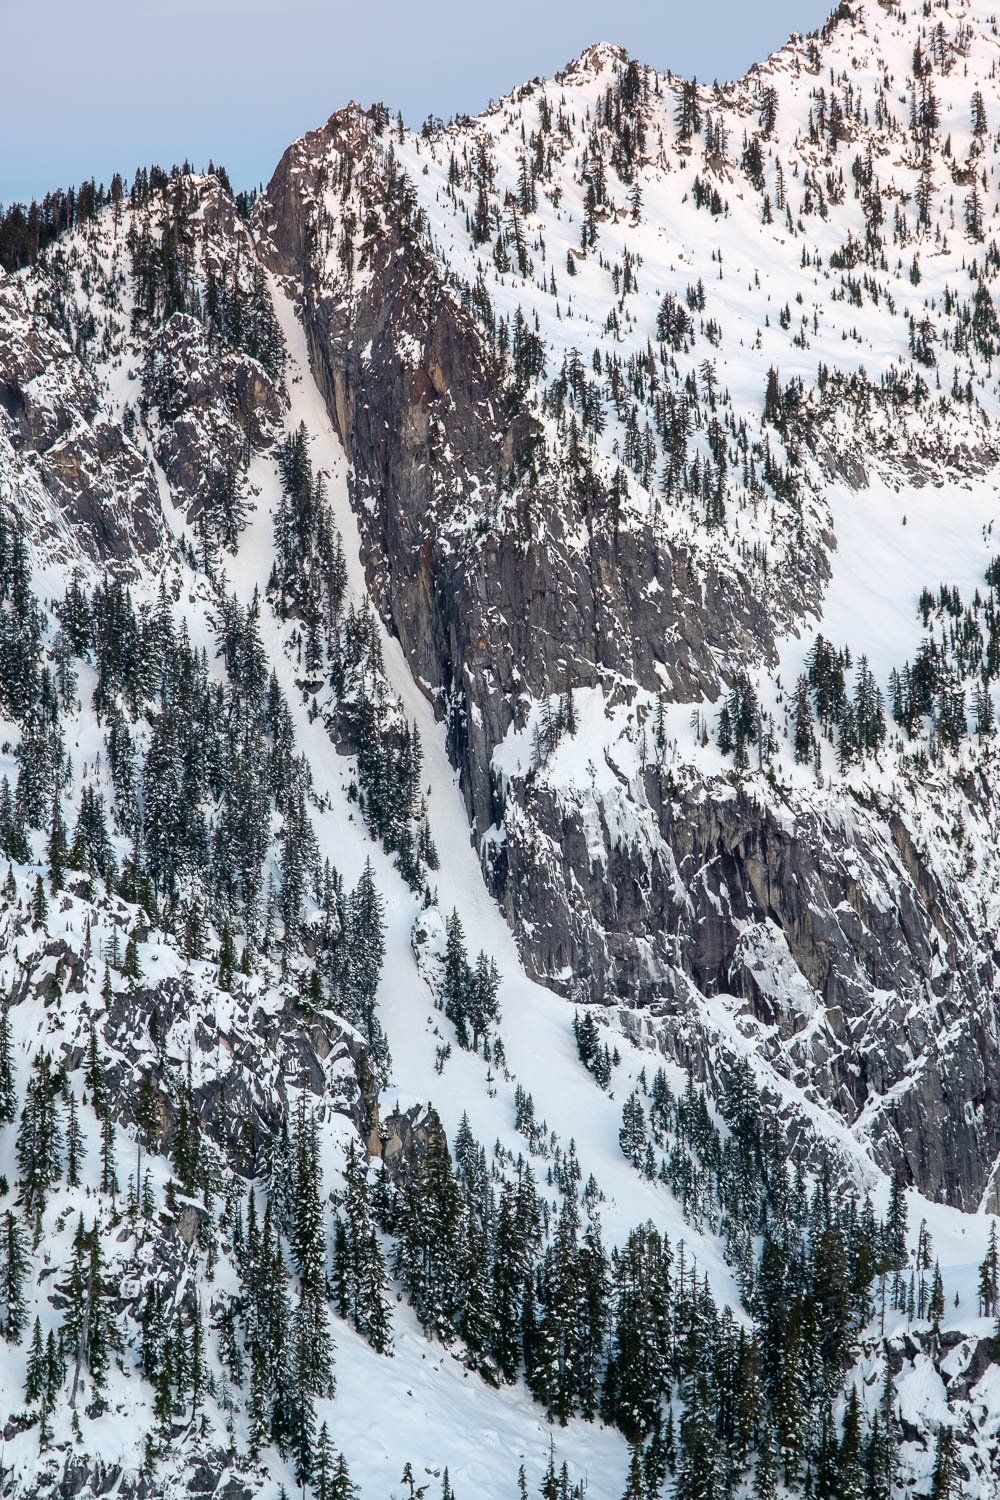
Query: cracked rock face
x,y
240,1072
58,439
213,408
503,590
487,610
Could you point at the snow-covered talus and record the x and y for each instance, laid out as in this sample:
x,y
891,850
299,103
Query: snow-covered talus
x,y
79,478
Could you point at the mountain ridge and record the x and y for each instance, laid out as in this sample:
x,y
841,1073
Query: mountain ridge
x,y
450,532
968,461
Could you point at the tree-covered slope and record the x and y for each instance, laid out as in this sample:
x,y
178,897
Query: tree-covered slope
x,y
497,809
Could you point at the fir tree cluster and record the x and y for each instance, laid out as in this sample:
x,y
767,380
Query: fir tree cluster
x,y
635,1337
229,296
678,433
272,1339
813,1269
930,694
597,1057
27,230
197,770
707,1397
340,646
469,994
266,1347
929,698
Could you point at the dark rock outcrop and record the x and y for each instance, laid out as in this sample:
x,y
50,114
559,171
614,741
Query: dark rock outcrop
x,y
507,580
213,407
60,439
491,607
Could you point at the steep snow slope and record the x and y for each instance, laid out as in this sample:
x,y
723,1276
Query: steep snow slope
x,y
647,388
437,1412
595,523
435,1402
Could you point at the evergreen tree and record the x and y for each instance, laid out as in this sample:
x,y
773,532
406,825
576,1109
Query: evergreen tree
x,y
39,905
474,1320
989,1270
850,1473
227,958
313,1343
632,1135
186,1150
343,1487
109,1165
482,1007
35,1372
365,956
58,849
896,1227
593,1319
509,1274
75,1148
324,1465
790,1405
945,1482
764,1479
147,1119
804,737
86,1333
269,1337
699,1471
360,1270
300,1432
94,1075
456,979
635,1484
639,1366
557,1348
131,967
8,1094
14,1268
428,1258
883,1444
39,1137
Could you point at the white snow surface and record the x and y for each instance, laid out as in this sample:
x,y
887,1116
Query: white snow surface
x,y
889,539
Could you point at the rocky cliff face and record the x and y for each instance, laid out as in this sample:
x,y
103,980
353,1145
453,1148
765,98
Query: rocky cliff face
x,y
61,445
213,408
512,572
499,583
670,442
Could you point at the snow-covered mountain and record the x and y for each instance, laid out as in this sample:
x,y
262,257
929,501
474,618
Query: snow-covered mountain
x,y
497,653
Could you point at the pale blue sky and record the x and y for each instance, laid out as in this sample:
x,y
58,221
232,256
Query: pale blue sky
x,y
89,86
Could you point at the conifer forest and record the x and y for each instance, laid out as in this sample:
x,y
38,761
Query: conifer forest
x,y
500,797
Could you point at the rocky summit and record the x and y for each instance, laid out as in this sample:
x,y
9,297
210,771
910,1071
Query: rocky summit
x,y
500,797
